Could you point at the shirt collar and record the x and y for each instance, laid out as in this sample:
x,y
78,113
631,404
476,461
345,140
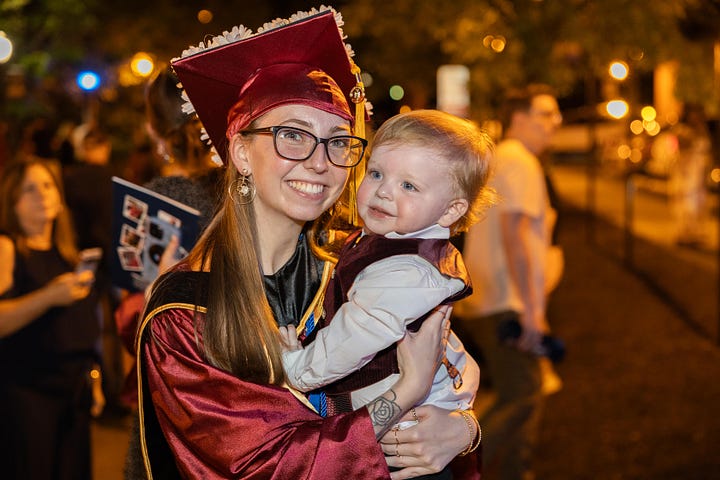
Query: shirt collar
x,y
433,231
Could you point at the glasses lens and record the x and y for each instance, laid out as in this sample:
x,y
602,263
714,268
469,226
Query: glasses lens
x,y
294,144
345,151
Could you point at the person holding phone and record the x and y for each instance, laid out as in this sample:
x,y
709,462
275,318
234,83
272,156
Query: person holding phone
x,y
48,331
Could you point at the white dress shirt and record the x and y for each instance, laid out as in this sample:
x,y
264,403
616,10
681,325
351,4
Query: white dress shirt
x,y
385,297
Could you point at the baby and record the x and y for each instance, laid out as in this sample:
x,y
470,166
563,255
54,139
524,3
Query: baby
x,y
425,181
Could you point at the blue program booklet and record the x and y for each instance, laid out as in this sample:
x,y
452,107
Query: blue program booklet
x,y
143,223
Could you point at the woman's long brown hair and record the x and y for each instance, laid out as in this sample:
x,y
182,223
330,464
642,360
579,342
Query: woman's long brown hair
x,y
240,333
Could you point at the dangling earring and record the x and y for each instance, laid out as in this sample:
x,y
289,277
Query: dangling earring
x,y
161,150
245,189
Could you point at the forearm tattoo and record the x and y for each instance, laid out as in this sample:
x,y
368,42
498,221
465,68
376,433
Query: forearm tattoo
x,y
384,411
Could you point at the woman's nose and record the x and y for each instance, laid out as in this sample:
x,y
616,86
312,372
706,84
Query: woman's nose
x,y
318,161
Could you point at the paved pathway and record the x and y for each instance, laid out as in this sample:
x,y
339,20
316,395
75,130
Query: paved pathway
x,y
641,395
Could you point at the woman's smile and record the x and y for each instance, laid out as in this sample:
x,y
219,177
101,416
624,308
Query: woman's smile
x,y
308,188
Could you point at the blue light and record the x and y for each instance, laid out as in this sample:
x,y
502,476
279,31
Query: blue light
x,y
88,81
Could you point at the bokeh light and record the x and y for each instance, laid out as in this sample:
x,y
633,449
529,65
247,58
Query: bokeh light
x,y
648,113
652,128
88,80
367,79
142,64
617,108
6,47
397,92
618,70
624,151
715,175
494,42
498,44
204,16
636,127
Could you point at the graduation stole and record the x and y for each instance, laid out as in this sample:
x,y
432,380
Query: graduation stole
x,y
314,312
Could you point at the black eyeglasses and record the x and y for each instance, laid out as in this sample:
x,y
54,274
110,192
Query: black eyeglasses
x,y
297,144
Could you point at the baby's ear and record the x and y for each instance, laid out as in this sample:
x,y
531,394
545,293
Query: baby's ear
x,y
454,212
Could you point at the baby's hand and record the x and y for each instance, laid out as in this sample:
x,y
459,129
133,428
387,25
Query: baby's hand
x,y
288,335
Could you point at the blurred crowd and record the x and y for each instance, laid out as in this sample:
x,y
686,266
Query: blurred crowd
x,y
60,315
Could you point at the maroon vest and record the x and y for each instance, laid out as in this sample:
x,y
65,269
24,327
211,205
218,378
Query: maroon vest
x,y
359,252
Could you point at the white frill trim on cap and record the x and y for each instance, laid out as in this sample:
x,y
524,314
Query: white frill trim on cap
x,y
241,32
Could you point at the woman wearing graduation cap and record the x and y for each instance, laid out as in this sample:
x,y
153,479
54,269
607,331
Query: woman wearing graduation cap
x,y
213,401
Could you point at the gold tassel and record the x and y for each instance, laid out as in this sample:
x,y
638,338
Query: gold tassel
x,y
357,95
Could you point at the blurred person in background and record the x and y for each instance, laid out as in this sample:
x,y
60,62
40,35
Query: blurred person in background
x,y
88,182
49,332
507,256
688,176
36,138
88,193
187,175
63,143
141,165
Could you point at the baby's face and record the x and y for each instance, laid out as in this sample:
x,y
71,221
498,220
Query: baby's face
x,y
406,188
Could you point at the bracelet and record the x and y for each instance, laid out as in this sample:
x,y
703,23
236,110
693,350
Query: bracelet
x,y
474,439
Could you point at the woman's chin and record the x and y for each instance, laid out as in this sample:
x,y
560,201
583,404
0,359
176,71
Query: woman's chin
x,y
306,214
308,211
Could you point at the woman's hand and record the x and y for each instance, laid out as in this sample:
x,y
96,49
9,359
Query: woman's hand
x,y
168,259
61,291
70,287
427,447
419,354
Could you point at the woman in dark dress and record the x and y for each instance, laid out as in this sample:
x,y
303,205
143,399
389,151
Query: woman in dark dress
x,y
48,331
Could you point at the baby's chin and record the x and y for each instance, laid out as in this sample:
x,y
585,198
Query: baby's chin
x,y
376,229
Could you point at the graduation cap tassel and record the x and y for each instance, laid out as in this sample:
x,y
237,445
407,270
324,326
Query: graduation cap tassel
x,y
357,95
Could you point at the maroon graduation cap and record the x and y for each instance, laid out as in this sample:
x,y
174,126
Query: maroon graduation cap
x,y
303,61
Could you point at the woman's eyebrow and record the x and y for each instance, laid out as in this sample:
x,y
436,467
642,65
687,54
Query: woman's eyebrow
x,y
345,129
